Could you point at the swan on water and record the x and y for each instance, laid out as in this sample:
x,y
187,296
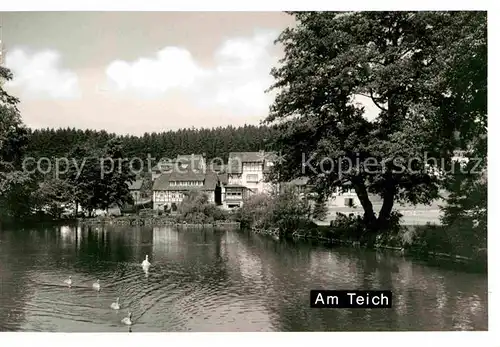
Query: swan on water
x,y
146,264
96,285
68,281
116,305
127,320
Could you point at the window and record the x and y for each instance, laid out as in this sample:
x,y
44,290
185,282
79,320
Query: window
x,y
349,202
252,166
252,178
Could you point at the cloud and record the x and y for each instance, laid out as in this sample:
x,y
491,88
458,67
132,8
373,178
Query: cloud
x,y
237,80
171,68
39,75
242,74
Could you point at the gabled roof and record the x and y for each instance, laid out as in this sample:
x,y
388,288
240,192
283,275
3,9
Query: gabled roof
x,y
186,175
209,180
223,178
162,182
136,185
236,159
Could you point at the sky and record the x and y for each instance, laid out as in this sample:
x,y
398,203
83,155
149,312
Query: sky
x,y
136,72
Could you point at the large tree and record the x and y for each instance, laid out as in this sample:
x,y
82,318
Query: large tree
x,y
396,60
100,177
14,195
465,78
115,175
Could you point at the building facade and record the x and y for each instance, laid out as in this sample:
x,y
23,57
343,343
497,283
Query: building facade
x,y
249,169
344,197
170,189
136,190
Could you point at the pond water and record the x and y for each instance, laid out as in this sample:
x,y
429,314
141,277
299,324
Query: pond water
x,y
219,281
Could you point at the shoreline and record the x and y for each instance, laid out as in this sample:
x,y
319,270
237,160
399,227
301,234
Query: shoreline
x,y
155,221
402,251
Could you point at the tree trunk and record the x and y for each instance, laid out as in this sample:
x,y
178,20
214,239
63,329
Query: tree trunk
x,y
385,211
369,214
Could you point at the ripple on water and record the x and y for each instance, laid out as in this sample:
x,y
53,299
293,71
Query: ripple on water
x,y
233,282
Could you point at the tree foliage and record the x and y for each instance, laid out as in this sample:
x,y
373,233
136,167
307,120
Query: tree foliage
x,y
466,74
215,143
196,208
400,61
320,210
99,177
287,211
13,181
52,196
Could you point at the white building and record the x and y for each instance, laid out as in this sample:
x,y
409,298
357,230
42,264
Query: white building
x,y
136,189
249,169
245,175
172,188
344,197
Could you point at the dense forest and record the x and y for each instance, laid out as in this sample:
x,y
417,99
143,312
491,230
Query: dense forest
x,y
215,142
31,194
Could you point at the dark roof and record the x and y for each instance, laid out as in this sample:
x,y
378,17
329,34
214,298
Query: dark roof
x,y
211,181
236,159
136,185
163,182
223,178
186,175
237,186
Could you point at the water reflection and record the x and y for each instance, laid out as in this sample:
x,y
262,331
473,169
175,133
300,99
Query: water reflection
x,y
217,281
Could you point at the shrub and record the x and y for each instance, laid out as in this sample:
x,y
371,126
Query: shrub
x,y
320,210
256,211
287,211
347,227
196,208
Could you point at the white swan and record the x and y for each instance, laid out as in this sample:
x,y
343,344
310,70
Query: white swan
x,y
127,320
96,285
116,305
69,282
146,264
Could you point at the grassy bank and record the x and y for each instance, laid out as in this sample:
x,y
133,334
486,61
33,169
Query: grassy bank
x,y
286,216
